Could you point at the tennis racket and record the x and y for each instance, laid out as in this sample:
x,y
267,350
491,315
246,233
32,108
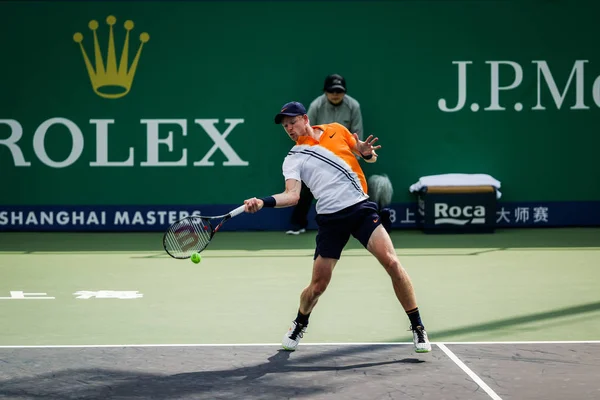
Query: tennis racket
x,y
193,234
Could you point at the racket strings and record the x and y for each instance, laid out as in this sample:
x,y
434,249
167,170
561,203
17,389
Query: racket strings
x,y
188,236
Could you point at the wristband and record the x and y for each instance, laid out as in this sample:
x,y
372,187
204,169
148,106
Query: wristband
x,y
269,201
366,157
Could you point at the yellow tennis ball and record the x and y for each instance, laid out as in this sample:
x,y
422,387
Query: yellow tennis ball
x,y
196,258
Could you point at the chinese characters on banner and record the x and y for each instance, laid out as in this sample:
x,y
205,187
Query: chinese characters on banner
x,y
522,215
405,215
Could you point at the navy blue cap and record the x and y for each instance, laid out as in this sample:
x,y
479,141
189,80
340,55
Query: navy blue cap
x,y
291,110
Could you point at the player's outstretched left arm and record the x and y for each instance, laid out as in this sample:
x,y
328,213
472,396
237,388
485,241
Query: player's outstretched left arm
x,y
285,199
367,148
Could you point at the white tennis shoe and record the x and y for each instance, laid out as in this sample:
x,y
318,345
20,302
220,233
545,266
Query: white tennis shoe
x,y
292,336
420,339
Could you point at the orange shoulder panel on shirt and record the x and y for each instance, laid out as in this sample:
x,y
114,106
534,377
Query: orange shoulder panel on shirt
x,y
337,139
306,140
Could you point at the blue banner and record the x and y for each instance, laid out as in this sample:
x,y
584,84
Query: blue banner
x,y
158,218
521,214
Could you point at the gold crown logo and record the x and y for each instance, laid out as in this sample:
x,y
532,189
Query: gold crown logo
x,y
110,81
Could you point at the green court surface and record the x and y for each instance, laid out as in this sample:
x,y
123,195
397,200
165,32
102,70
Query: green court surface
x,y
513,285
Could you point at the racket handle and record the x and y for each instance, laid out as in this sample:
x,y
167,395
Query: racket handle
x,y
237,211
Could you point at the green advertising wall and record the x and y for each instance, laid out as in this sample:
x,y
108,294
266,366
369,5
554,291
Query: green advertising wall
x,y
507,88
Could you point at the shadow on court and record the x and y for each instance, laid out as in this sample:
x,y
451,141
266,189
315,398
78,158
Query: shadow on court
x,y
155,373
440,336
28,242
516,371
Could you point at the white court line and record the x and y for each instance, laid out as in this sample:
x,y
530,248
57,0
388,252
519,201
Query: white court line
x,y
532,342
55,346
468,371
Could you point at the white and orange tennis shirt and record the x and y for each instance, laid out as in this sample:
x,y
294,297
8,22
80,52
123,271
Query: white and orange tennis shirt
x,y
329,168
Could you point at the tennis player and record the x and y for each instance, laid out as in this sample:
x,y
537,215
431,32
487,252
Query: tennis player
x,y
324,158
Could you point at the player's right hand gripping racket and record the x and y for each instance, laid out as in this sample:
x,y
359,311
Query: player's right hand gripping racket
x,y
193,234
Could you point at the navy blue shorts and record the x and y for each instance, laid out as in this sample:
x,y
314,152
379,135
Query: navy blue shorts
x,y
358,220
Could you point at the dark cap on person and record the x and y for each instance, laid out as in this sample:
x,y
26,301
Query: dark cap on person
x,y
335,82
291,109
